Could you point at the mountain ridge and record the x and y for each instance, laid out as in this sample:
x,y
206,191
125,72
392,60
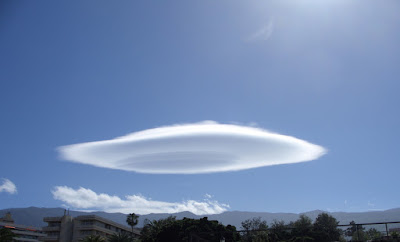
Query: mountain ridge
x,y
33,216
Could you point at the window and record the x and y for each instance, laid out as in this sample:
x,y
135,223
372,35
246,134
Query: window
x,y
53,233
87,222
54,224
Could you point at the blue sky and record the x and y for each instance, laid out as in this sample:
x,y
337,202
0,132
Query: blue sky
x,y
82,71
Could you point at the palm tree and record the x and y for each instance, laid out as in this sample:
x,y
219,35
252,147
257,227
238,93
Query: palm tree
x,y
120,237
132,219
93,238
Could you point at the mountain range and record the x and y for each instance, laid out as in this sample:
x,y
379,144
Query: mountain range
x,y
33,216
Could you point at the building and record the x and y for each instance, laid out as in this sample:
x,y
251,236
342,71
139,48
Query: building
x,y
22,233
69,229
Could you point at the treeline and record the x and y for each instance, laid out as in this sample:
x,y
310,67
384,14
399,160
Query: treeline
x,y
187,229
323,229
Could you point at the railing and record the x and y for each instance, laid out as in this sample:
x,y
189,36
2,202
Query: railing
x,y
358,227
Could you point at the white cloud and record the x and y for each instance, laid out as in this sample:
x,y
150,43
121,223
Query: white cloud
x,y
193,148
263,33
8,186
87,199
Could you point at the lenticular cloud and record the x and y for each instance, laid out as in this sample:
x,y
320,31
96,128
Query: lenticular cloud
x,y
193,148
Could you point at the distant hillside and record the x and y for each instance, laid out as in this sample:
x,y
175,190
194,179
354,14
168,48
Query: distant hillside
x,y
33,216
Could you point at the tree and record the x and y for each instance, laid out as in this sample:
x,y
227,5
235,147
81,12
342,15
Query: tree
x,y
120,237
373,234
359,236
395,234
279,231
152,228
302,229
6,235
93,238
187,229
132,219
254,224
351,230
325,228
356,232
255,230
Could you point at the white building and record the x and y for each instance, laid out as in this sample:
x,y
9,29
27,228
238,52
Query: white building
x,y
22,232
69,229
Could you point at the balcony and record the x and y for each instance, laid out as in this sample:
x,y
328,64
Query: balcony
x,y
50,238
53,228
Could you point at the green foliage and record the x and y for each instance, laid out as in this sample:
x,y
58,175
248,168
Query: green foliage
x,y
93,238
373,234
302,229
170,229
230,233
120,237
254,224
325,228
342,238
302,239
359,236
395,235
255,230
354,230
132,219
279,231
6,235
152,228
358,233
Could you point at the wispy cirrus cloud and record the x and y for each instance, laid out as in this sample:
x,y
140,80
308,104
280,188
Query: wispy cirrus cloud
x,y
193,148
86,199
8,186
264,33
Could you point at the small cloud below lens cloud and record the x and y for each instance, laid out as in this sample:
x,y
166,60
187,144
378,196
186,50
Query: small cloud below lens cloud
x,y
88,200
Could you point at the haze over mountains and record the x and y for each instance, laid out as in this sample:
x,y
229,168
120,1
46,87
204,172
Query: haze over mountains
x,y
33,216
